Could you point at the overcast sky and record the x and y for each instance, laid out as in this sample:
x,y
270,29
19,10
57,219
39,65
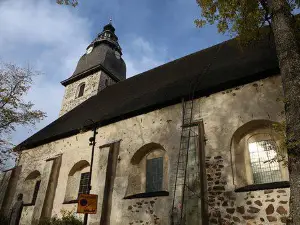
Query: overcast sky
x,y
51,38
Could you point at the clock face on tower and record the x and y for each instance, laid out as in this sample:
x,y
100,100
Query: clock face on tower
x,y
89,50
117,54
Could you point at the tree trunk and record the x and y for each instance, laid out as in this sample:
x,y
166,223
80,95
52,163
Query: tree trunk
x,y
289,62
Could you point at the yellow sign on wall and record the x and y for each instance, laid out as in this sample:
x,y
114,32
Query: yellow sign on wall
x,y
87,203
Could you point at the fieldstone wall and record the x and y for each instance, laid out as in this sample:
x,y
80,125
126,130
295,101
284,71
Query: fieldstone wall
x,y
91,88
227,207
148,208
93,84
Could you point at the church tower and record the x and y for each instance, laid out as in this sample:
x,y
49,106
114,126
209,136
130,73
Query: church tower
x,y
102,65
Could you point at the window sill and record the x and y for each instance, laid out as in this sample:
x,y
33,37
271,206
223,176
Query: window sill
x,y
71,201
258,187
28,204
148,195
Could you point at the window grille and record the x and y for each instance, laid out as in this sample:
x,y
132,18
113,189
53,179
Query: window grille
x,y
36,190
81,90
84,183
154,174
264,168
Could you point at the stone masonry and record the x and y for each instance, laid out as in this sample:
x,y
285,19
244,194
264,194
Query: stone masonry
x,y
228,208
93,84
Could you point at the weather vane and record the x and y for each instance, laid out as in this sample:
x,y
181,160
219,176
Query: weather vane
x,y
110,20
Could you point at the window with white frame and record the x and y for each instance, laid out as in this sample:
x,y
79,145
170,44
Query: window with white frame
x,y
77,181
265,167
84,183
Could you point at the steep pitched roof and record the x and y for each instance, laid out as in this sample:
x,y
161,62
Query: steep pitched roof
x,y
213,69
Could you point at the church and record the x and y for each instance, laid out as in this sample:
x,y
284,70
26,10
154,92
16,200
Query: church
x,y
189,142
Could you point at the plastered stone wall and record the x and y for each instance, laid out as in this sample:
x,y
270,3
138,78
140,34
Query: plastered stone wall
x,y
8,181
22,187
4,181
73,183
222,113
36,159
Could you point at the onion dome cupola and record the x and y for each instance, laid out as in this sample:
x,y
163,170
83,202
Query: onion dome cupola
x,y
104,53
109,37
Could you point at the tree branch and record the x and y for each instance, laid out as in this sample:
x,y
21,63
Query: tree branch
x,y
10,94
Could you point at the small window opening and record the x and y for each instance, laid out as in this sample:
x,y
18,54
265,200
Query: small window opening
x,y
264,168
154,174
106,83
36,191
81,90
84,183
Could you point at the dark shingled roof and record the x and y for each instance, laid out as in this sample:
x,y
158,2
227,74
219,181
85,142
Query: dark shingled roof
x,y
166,85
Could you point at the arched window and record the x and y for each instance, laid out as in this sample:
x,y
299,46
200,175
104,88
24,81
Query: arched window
x,y
80,90
255,154
31,187
77,181
148,174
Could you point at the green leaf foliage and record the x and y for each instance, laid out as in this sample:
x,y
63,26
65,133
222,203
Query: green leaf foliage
x,y
14,109
68,218
242,18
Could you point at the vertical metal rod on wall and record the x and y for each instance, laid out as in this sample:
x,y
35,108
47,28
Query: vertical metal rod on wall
x,y
93,143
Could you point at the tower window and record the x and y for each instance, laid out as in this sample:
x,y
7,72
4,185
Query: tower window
x,y
264,168
81,90
106,83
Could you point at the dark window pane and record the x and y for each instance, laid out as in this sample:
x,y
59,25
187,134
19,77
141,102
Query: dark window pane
x,y
154,174
36,191
81,90
84,183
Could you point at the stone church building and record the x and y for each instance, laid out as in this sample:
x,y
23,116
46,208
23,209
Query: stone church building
x,y
189,142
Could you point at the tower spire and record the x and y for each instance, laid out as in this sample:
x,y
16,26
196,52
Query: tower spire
x,y
107,36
